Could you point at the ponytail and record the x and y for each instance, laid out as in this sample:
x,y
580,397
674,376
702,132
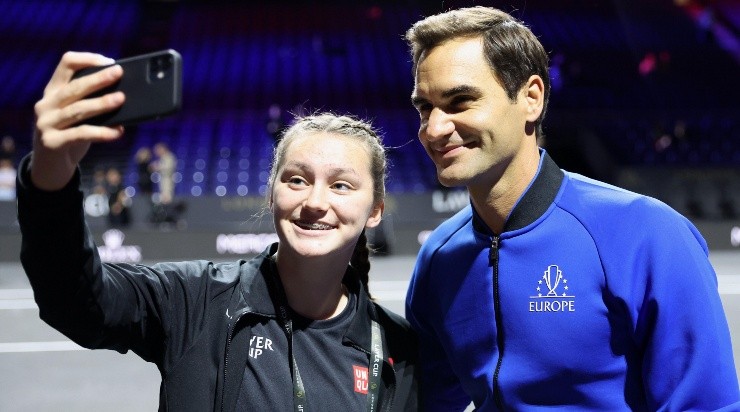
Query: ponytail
x,y
361,261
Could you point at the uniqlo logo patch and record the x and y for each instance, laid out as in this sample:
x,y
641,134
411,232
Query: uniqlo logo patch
x,y
360,374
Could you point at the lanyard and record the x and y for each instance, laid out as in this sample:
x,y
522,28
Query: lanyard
x,y
299,392
376,365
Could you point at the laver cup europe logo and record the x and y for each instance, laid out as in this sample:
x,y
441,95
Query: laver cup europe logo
x,y
553,293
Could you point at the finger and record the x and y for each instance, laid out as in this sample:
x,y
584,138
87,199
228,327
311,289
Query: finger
x,y
84,109
77,112
63,95
82,87
95,133
57,139
71,62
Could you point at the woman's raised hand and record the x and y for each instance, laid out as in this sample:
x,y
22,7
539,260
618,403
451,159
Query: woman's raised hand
x,y
61,137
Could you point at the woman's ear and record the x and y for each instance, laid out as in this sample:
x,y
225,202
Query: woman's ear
x,y
376,215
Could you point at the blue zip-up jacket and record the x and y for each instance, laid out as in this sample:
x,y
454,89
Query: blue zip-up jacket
x,y
592,298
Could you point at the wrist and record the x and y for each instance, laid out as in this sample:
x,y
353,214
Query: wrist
x,y
50,174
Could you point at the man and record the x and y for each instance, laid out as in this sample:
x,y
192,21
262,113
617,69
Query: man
x,y
551,290
166,165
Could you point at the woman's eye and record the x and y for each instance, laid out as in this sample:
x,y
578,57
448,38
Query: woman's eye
x,y
341,186
295,181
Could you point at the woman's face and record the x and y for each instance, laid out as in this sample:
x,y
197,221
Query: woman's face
x,y
322,197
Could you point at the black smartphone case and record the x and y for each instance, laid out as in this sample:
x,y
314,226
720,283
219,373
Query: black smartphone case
x,y
152,84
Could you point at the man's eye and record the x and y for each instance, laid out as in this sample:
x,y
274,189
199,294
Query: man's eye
x,y
424,108
461,100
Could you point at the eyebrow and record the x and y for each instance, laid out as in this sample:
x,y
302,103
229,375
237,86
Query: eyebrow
x,y
453,91
334,171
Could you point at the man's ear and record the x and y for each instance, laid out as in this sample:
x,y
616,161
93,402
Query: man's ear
x,y
534,95
376,216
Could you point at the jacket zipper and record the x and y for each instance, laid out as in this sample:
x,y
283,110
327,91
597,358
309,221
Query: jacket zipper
x,y
493,261
226,357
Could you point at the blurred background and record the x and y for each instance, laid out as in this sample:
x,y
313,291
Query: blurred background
x,y
644,96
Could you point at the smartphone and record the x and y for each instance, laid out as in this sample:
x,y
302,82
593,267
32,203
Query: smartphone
x,y
152,84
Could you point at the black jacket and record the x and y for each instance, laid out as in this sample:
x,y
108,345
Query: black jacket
x,y
186,317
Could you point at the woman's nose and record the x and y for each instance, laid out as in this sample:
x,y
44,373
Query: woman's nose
x,y
317,198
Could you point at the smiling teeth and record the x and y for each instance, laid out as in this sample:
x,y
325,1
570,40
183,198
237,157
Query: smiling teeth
x,y
315,226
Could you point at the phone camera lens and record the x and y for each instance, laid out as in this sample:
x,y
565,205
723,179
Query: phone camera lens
x,y
159,67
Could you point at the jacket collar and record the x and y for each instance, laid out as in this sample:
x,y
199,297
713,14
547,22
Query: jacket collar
x,y
358,333
255,295
258,295
536,199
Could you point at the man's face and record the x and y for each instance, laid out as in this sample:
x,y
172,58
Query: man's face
x,y
469,126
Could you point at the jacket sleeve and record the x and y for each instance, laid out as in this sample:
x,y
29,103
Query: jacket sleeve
x,y
679,322
97,305
439,385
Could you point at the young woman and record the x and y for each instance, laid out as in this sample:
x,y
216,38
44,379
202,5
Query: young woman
x,y
293,328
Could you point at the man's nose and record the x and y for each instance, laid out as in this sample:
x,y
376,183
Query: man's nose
x,y
439,125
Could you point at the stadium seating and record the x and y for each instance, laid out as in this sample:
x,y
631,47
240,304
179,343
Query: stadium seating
x,y
646,81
